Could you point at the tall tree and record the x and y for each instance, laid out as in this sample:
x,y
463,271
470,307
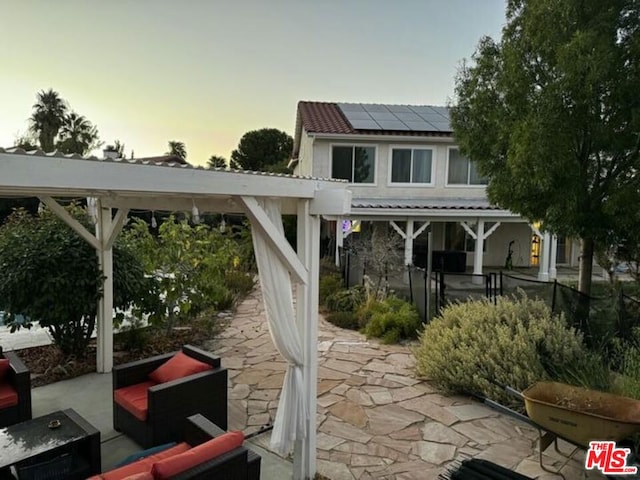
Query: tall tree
x,y
178,149
551,115
47,118
216,161
77,135
267,149
117,147
26,141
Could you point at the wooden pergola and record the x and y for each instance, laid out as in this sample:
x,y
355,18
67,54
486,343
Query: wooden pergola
x,y
121,185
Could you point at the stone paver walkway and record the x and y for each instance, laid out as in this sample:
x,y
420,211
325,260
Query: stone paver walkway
x,y
375,419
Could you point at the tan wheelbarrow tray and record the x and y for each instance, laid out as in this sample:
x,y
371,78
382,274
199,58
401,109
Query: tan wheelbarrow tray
x,y
574,414
580,415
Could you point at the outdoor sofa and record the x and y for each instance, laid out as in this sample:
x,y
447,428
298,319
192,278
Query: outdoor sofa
x,y
15,389
206,451
153,397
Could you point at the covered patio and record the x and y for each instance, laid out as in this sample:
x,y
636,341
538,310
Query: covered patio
x,y
116,186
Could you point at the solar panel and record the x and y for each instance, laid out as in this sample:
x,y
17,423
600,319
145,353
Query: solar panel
x,y
372,108
417,118
393,125
351,107
364,125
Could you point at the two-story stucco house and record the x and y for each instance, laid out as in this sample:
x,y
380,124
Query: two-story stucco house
x,y
404,168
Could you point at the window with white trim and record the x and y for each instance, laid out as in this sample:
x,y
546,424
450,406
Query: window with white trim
x,y
411,165
463,171
353,163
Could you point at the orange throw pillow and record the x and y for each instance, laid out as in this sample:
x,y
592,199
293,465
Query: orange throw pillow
x,y
4,367
178,366
204,452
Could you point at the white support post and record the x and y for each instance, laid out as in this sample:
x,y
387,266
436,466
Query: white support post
x,y
304,456
543,272
553,271
408,243
104,231
477,260
339,240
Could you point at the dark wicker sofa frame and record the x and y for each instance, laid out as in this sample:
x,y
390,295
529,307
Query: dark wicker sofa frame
x,y
239,464
20,378
170,403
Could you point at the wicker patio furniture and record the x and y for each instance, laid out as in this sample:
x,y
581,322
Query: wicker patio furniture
x,y
235,463
15,390
153,413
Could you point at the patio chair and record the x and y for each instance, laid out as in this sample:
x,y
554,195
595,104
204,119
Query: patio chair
x,y
15,390
196,457
150,406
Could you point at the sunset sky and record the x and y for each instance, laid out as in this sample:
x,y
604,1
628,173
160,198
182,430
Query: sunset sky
x,y
205,72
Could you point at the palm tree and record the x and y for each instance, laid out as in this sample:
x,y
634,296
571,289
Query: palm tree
x,y
216,161
117,147
47,118
78,135
177,149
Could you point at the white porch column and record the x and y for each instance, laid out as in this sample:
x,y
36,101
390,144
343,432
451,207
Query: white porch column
x,y
304,456
339,240
477,259
543,273
408,244
104,360
553,272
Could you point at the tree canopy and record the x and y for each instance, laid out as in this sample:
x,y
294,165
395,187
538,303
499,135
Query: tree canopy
x,y
551,115
77,135
217,161
267,149
48,117
178,149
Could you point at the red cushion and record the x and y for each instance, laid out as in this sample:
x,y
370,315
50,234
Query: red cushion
x,y
8,396
4,367
140,476
215,447
134,399
141,466
178,366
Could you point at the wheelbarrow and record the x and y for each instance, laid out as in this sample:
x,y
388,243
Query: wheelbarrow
x,y
574,414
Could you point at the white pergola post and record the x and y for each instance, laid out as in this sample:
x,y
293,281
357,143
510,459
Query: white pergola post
x,y
408,243
304,455
543,272
477,259
553,271
104,361
339,240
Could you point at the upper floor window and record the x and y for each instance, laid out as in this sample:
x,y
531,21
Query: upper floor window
x,y
463,171
355,164
411,165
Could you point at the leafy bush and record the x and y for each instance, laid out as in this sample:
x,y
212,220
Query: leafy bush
x,y
329,285
239,282
627,383
50,274
392,320
343,320
516,342
346,300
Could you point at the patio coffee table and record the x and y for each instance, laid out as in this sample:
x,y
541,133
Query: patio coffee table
x,y
34,448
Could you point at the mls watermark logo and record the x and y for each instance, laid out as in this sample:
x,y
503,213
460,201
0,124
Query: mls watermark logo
x,y
608,459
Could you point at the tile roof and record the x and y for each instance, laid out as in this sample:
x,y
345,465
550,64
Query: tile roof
x,y
327,117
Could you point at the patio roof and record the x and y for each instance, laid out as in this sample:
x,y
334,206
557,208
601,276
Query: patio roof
x,y
144,184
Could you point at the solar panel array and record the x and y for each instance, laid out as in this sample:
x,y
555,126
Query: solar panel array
x,y
366,116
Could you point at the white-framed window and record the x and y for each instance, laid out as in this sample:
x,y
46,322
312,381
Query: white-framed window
x,y
354,163
411,165
461,170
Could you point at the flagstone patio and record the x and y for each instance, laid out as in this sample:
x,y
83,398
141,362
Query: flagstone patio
x,y
375,419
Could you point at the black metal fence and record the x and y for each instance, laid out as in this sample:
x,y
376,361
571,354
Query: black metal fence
x,y
598,317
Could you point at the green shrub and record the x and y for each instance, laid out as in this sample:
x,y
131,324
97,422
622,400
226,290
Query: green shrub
x,y
392,320
346,300
343,320
627,382
238,282
516,342
329,284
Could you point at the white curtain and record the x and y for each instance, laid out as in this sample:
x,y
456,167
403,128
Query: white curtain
x,y
275,283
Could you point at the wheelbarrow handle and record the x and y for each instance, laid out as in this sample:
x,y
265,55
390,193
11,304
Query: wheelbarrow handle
x,y
514,392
